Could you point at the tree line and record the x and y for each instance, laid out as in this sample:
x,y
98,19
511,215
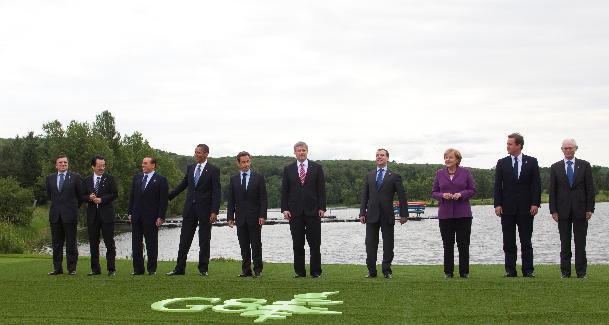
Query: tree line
x,y
30,158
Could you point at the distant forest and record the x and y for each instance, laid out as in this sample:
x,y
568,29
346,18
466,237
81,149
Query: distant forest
x,y
28,159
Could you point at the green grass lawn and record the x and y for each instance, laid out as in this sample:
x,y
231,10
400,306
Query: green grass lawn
x,y
416,294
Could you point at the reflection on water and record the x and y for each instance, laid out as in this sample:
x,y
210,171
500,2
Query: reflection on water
x,y
416,242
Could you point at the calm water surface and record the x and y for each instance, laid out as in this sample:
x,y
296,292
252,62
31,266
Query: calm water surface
x,y
416,242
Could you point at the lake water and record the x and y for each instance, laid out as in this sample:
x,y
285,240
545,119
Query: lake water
x,y
416,242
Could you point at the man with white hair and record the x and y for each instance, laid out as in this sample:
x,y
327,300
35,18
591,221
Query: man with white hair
x,y
571,205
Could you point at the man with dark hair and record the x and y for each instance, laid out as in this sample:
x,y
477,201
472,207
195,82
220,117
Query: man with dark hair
x,y
517,197
303,203
572,205
147,208
64,190
376,211
247,205
201,207
100,192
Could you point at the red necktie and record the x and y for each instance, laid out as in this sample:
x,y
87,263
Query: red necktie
x,y
302,174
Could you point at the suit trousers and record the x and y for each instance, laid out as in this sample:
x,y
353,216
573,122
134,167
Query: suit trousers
x,y
372,244
460,228
580,230
95,225
187,233
251,247
148,232
64,233
309,227
524,222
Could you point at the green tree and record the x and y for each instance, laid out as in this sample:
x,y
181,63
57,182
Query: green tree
x,y
16,202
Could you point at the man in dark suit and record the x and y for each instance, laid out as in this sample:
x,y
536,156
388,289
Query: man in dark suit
x,y
517,197
65,191
571,205
303,203
376,211
247,204
100,192
147,208
201,208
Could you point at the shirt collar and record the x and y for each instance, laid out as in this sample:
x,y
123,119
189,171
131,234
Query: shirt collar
x,y
149,174
519,157
248,172
572,160
384,168
305,163
203,164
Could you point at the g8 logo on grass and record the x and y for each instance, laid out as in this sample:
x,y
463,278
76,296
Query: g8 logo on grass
x,y
302,304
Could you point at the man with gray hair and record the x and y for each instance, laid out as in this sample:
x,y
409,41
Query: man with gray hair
x,y
303,203
571,205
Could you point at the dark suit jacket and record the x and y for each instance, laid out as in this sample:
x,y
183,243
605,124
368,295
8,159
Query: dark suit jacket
x,y
150,204
517,196
377,206
67,202
250,205
305,199
578,198
108,192
203,197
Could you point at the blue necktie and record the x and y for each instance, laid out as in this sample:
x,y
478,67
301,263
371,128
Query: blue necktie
x,y
570,172
515,169
243,182
61,180
144,182
197,174
379,179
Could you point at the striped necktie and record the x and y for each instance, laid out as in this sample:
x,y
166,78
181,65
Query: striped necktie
x,y
302,174
97,184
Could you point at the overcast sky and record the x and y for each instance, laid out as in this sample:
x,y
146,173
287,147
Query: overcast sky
x,y
347,77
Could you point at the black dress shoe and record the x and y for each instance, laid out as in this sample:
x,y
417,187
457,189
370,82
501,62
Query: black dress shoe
x,y
174,272
388,276
581,276
449,276
93,273
257,274
151,272
371,275
510,275
56,272
299,276
72,273
565,276
464,275
528,275
137,273
204,273
315,276
111,273
244,275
